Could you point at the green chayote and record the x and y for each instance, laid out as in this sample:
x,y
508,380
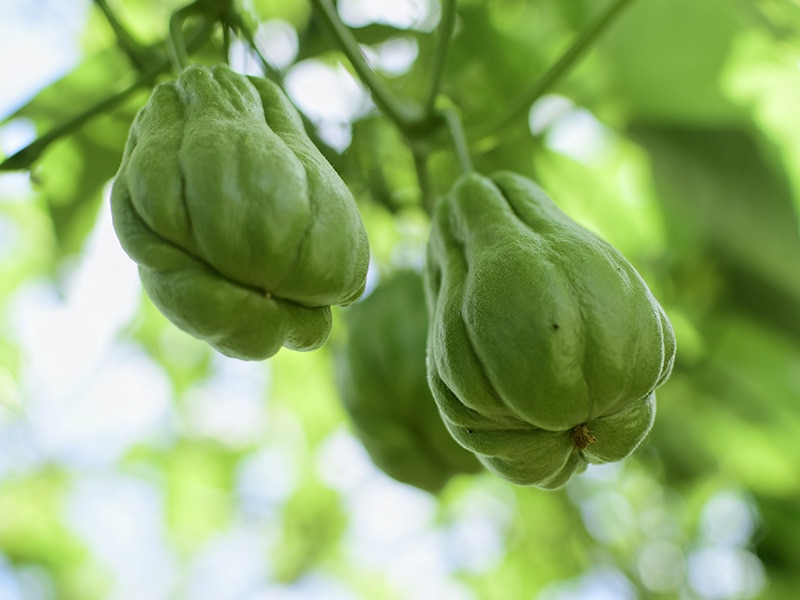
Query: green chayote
x,y
244,234
546,346
381,376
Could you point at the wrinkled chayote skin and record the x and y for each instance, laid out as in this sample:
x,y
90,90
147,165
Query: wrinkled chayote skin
x,y
545,344
381,376
243,232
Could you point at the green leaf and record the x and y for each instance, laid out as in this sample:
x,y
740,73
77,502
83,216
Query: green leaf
x,y
724,196
515,48
666,58
199,479
90,82
71,175
32,531
312,524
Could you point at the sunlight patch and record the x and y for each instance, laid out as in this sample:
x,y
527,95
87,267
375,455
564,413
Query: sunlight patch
x,y
402,14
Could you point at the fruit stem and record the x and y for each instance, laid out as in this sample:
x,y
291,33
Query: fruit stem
x,y
244,29
581,436
444,34
141,56
454,124
177,45
423,177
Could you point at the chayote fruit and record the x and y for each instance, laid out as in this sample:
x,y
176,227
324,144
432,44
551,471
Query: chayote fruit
x,y
381,376
244,234
545,344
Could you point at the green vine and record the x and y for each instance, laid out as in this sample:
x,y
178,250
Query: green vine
x,y
559,69
404,114
420,156
140,56
207,11
460,145
444,35
244,30
413,121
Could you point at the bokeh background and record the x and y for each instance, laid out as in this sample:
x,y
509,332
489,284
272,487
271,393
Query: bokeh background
x,y
137,463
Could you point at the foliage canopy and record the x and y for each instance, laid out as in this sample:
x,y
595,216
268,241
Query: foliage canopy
x,y
136,462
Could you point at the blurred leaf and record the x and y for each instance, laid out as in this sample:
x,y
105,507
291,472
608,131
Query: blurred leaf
x,y
295,12
71,177
665,60
723,195
303,382
89,83
619,209
515,48
546,543
148,21
781,19
29,239
315,40
516,150
32,531
779,546
186,359
737,411
312,524
140,56
378,165
199,480
70,173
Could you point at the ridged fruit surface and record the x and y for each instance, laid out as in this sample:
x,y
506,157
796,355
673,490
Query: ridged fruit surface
x,y
546,346
244,234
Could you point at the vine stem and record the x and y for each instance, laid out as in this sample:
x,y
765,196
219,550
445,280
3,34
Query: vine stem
x,y
560,68
25,157
454,124
177,45
139,55
274,74
405,115
415,123
423,177
444,33
269,70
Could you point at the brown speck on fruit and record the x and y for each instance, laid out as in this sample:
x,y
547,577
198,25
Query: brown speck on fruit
x,y
469,430
555,326
581,436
